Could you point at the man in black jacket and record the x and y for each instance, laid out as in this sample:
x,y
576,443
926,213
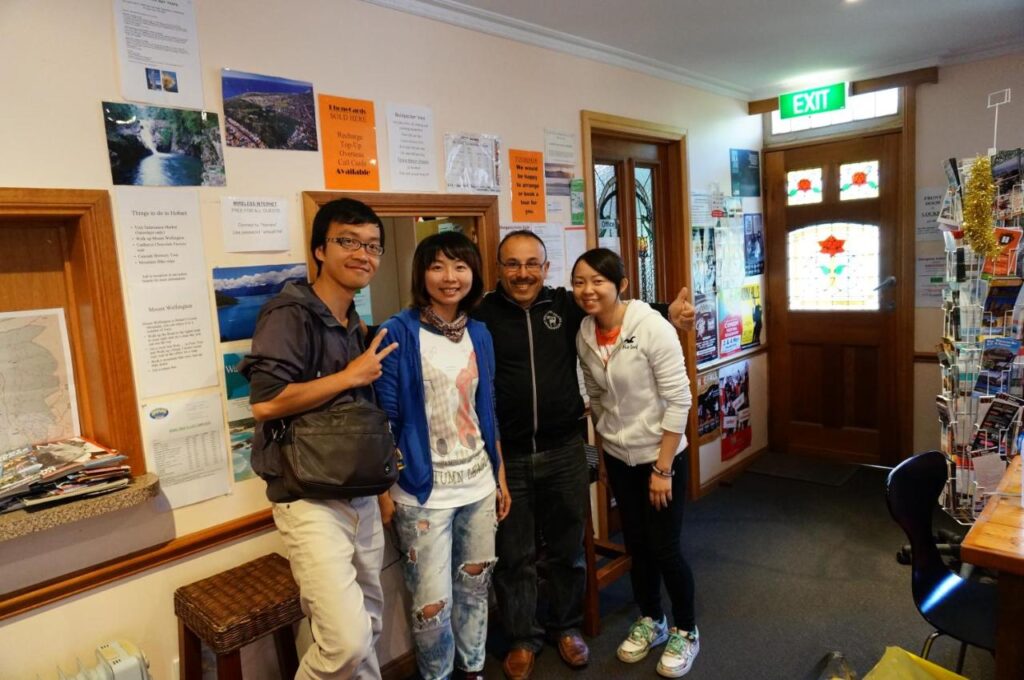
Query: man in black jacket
x,y
540,415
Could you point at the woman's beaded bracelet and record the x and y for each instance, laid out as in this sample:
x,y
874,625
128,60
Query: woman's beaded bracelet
x,y
662,473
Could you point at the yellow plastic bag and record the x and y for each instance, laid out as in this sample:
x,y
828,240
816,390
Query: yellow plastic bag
x,y
899,664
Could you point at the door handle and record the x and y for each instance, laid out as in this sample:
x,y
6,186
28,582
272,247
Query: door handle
x,y
889,282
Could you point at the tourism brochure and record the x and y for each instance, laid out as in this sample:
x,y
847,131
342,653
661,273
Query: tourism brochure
x,y
997,357
1000,301
1001,415
56,469
1004,263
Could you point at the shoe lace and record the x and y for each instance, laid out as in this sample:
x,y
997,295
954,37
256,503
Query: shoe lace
x,y
679,644
642,631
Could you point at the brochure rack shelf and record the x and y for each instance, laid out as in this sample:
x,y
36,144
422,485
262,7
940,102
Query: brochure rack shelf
x,y
982,369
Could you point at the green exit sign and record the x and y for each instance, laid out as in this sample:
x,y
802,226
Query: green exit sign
x,y
815,100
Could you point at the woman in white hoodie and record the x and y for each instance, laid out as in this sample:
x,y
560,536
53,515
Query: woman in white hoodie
x,y
640,398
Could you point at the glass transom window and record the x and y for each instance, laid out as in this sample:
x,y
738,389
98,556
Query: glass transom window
x,y
833,267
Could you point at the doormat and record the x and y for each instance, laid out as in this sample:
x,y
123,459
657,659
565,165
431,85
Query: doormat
x,y
803,468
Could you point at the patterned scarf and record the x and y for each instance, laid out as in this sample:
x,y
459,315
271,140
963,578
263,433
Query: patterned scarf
x,y
453,330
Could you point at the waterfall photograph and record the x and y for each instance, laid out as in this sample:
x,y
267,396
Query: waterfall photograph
x,y
156,146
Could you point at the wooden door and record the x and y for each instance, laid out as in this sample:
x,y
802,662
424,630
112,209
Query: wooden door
x,y
636,227
832,282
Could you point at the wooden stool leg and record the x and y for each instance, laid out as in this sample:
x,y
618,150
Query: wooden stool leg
x,y
229,666
591,596
190,653
287,658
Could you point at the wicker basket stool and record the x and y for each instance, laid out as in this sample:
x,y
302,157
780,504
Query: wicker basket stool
x,y
233,608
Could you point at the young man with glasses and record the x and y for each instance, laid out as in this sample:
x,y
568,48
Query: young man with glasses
x,y
308,353
540,416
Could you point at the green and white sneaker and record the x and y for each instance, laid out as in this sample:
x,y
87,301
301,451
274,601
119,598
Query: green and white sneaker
x,y
643,634
679,653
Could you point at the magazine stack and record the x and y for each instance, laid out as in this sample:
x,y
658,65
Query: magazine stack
x,y
42,474
980,355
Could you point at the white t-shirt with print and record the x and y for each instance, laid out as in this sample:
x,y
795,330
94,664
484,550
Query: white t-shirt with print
x,y
462,470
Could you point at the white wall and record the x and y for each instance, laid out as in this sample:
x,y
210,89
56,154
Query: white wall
x,y
58,65
953,122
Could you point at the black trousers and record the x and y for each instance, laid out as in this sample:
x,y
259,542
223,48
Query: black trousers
x,y
550,492
653,538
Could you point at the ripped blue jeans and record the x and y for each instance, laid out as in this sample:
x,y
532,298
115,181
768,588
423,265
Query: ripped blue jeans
x,y
449,557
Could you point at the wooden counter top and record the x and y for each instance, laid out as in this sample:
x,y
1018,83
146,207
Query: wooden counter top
x,y
997,538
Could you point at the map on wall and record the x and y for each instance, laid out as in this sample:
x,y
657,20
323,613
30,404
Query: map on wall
x,y
37,387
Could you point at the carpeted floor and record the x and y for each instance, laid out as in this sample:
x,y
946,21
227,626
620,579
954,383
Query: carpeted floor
x,y
786,571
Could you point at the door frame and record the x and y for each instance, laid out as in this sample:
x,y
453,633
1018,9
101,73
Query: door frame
x,y
677,270
903,353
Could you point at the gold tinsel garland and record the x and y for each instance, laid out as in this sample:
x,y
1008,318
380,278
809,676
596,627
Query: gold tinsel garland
x,y
979,194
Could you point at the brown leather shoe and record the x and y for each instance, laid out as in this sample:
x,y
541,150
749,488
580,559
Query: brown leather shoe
x,y
573,650
518,664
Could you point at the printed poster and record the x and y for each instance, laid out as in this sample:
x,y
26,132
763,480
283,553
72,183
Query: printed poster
x,y
753,313
730,322
734,392
708,407
526,178
559,168
745,167
471,163
412,150
753,244
705,299
929,202
158,52
241,424
184,439
254,224
349,140
576,201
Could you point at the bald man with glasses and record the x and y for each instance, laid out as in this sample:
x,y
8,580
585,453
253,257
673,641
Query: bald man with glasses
x,y
541,419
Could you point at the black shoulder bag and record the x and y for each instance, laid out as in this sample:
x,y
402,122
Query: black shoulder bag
x,y
344,451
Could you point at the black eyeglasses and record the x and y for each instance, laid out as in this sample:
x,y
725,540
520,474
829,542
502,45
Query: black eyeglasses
x,y
512,266
355,244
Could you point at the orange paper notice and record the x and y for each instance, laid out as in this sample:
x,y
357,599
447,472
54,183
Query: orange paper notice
x,y
527,178
349,143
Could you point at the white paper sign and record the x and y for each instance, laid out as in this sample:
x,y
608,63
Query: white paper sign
x,y
471,163
931,278
185,447
411,148
254,224
929,202
559,168
575,245
159,52
161,249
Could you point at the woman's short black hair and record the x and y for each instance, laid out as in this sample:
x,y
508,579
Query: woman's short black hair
x,y
340,211
605,262
455,246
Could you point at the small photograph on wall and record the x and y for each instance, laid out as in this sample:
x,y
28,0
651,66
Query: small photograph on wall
x,y
241,424
708,407
264,112
745,165
734,392
242,291
157,146
753,244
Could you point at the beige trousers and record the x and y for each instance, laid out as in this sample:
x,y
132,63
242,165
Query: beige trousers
x,y
336,550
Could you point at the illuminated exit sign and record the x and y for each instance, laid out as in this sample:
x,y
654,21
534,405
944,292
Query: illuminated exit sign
x,y
815,100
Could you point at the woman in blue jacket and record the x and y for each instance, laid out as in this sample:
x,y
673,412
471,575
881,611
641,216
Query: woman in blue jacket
x,y
438,390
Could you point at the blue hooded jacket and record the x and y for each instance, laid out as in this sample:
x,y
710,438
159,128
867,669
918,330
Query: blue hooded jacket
x,y
400,392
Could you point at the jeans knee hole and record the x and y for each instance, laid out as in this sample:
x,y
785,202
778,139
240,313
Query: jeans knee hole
x,y
430,613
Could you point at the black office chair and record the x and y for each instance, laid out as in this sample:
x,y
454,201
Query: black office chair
x,y
964,609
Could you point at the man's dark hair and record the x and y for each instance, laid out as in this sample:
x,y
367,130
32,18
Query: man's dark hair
x,y
455,246
340,211
528,234
606,263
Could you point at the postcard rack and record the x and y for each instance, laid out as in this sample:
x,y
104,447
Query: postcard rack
x,y
982,372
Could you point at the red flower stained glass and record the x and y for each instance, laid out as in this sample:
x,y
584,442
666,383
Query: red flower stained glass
x,y
860,178
832,246
804,185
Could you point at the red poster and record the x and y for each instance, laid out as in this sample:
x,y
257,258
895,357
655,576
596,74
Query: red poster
x,y
526,172
734,392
